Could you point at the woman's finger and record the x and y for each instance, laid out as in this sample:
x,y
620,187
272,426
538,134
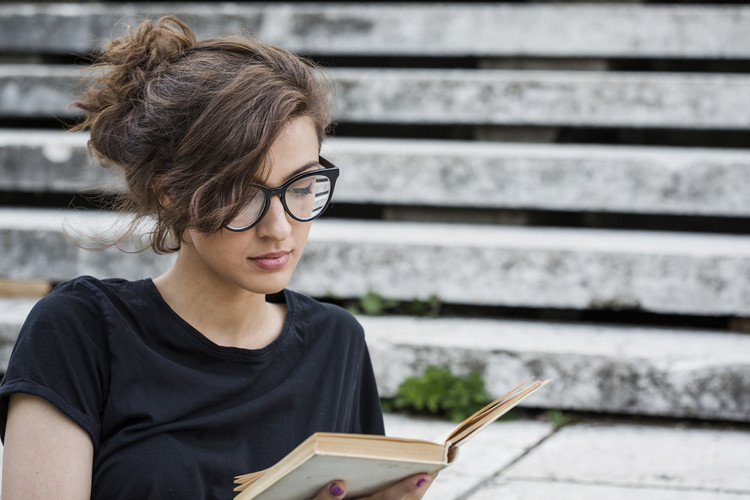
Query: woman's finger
x,y
412,488
334,491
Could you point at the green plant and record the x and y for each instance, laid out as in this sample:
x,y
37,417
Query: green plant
x,y
438,391
374,304
429,307
558,419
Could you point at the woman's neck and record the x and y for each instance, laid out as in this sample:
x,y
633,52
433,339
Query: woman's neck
x,y
224,313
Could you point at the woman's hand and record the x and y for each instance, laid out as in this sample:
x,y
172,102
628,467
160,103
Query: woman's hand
x,y
412,488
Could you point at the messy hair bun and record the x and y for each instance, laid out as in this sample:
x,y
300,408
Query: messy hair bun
x,y
190,122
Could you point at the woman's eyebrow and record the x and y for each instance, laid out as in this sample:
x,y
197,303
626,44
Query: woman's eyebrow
x,y
306,166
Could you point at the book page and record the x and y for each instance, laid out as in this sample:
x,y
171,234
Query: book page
x,y
491,412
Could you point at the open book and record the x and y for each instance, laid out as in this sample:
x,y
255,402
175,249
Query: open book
x,y
368,463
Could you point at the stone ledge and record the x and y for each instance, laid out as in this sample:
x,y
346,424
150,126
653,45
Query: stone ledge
x,y
529,267
641,456
515,489
41,161
13,312
500,445
542,176
472,97
624,370
581,30
682,181
459,263
499,97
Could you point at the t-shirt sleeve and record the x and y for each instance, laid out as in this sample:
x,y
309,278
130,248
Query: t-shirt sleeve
x,y
61,356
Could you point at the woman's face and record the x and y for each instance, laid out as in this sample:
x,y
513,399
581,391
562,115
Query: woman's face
x,y
261,259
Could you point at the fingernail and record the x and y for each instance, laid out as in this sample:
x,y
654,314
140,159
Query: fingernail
x,y
421,482
336,490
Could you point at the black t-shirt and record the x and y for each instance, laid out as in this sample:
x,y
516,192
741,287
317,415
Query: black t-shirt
x,y
174,415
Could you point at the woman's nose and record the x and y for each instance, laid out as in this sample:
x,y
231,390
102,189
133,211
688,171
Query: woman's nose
x,y
275,223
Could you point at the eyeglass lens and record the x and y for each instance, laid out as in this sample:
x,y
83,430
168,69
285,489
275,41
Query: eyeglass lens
x,y
304,200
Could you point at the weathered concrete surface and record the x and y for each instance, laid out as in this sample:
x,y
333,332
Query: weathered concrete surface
x,y
13,312
577,30
624,370
31,90
453,174
529,267
637,456
496,97
499,445
475,476
477,97
509,266
38,244
45,161
542,176
534,490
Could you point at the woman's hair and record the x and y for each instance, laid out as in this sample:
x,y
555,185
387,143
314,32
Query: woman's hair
x,y
190,122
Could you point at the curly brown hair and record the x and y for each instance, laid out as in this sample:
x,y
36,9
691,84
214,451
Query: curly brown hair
x,y
190,122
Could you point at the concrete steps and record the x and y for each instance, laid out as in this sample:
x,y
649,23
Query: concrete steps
x,y
13,311
623,179
606,30
527,68
474,97
551,98
624,461
528,460
617,369
459,263
428,173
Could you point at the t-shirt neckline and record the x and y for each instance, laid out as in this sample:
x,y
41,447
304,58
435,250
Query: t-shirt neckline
x,y
189,332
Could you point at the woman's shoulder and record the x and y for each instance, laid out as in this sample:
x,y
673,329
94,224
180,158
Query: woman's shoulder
x,y
78,304
83,292
87,284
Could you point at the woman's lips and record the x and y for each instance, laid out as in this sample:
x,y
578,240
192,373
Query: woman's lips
x,y
274,260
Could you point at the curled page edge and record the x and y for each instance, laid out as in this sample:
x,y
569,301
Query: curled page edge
x,y
512,398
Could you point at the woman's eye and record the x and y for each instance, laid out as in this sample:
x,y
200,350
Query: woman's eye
x,y
303,190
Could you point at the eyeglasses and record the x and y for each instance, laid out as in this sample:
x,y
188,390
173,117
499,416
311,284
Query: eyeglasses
x,y
305,197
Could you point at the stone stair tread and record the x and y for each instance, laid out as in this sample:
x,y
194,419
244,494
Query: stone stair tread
x,y
534,29
691,346
584,453
625,179
688,346
499,445
425,173
529,266
538,238
677,372
656,271
444,234
571,98
13,312
595,367
470,97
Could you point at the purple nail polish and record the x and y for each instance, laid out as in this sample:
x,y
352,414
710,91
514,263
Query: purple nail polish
x,y
421,482
336,490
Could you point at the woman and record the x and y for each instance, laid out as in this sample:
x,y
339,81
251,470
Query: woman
x,y
166,388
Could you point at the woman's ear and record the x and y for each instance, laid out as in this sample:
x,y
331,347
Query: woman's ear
x,y
164,195
165,199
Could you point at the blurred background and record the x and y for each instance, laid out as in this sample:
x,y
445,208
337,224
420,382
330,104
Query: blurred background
x,y
527,189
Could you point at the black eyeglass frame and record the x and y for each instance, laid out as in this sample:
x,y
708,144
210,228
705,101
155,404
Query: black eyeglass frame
x,y
329,170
